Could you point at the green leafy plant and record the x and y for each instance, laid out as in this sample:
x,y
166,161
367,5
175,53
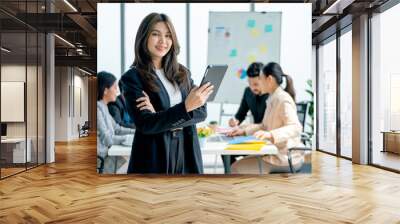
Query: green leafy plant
x,y
310,124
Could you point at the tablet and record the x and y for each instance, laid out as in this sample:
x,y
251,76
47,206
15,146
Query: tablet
x,y
214,74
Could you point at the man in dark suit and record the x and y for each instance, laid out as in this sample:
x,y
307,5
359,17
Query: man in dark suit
x,y
252,99
119,111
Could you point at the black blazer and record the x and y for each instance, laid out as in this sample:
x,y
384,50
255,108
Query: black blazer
x,y
117,110
150,148
255,103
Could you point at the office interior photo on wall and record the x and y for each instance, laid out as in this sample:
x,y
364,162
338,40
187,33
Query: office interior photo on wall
x,y
225,92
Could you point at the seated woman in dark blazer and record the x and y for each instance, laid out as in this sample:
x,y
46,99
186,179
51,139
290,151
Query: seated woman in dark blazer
x,y
166,106
118,109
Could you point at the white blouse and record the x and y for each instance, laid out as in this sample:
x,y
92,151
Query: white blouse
x,y
173,90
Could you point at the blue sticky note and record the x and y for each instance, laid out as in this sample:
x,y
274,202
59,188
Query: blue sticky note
x,y
244,74
233,53
251,23
268,28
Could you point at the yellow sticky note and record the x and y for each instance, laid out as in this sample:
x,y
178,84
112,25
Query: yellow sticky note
x,y
256,147
251,59
255,33
263,49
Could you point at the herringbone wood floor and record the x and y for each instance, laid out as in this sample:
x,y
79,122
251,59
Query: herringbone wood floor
x,y
70,191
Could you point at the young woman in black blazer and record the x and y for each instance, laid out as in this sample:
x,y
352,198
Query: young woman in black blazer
x,y
160,95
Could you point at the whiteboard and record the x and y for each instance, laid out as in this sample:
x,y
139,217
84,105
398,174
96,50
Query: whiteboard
x,y
239,39
12,101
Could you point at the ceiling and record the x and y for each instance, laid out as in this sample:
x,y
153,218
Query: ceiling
x,y
76,22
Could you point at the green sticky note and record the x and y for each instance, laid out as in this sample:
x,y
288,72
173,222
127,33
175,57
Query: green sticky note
x,y
268,28
233,53
251,23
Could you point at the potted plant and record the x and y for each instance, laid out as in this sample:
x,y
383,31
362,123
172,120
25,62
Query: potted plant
x,y
213,125
310,124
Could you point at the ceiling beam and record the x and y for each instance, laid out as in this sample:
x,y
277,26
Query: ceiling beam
x,y
84,24
81,61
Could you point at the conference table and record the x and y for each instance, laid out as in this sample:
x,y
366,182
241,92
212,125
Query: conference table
x,y
215,145
119,150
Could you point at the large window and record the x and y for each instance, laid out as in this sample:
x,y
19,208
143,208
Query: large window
x,y
327,97
330,134
346,94
385,86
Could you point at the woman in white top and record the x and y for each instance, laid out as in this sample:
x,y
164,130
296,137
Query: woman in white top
x,y
280,125
166,138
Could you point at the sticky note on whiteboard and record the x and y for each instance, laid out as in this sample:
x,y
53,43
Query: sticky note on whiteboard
x,y
251,59
255,33
268,28
251,23
233,53
262,48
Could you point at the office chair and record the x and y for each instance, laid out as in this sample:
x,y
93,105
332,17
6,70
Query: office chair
x,y
302,111
84,129
290,156
100,164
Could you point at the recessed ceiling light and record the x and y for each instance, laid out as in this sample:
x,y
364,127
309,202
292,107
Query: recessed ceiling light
x,y
65,41
5,50
84,71
70,5
338,6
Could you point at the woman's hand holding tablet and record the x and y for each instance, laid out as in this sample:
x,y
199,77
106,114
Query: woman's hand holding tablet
x,y
214,74
198,96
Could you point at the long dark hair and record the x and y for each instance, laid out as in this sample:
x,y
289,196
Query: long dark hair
x,y
104,81
275,70
143,63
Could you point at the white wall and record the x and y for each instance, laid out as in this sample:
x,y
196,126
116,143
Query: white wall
x,y
296,46
80,82
68,79
108,38
14,72
33,126
61,103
